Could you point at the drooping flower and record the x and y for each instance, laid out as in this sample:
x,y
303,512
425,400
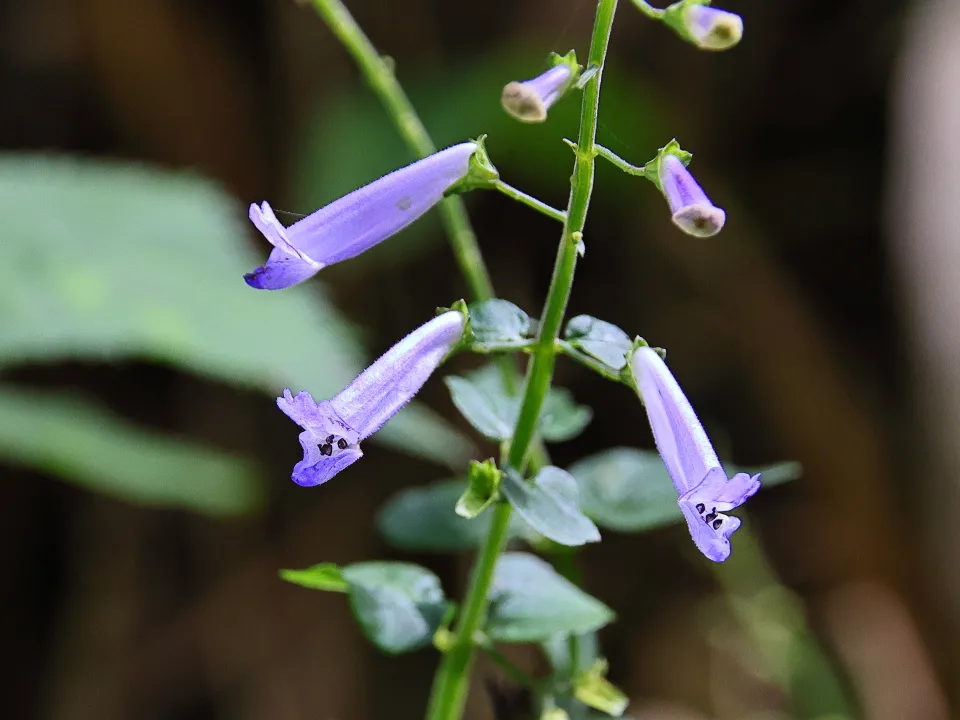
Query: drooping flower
x,y
704,492
528,101
355,222
692,210
333,429
703,26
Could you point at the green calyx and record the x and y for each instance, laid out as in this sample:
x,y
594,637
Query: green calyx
x,y
482,490
651,171
481,172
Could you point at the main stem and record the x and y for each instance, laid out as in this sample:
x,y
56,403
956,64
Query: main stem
x,y
452,680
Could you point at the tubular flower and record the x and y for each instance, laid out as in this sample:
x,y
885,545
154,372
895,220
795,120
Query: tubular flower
x,y
692,210
529,101
704,492
333,429
709,28
356,222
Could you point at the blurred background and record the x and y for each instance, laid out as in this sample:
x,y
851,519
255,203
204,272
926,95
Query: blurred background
x,y
146,501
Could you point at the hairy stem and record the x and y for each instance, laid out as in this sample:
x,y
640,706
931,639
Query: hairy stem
x,y
452,680
530,201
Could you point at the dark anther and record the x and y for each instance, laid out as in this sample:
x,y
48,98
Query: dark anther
x,y
701,507
326,449
717,523
342,444
710,516
329,439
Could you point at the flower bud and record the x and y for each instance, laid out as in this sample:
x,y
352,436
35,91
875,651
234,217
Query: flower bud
x,y
691,209
528,101
703,26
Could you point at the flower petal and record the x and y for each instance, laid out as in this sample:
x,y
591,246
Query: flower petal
x,y
529,101
316,468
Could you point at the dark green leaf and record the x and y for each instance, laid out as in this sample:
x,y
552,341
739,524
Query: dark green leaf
x,y
531,602
399,605
499,324
484,401
629,490
423,519
599,339
550,504
79,441
483,483
111,260
325,576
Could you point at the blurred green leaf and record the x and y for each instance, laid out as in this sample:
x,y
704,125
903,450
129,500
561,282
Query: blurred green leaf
x,y
550,504
78,441
499,324
485,403
629,490
600,339
399,605
557,650
111,260
531,602
325,576
423,519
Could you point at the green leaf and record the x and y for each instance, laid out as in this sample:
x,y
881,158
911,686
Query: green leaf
x,y
531,602
325,576
81,442
550,504
109,261
398,605
493,416
599,339
629,490
557,650
483,482
594,690
498,324
422,519
485,403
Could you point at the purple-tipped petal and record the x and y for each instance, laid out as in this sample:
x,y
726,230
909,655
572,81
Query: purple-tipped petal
x,y
332,430
389,384
357,221
529,101
691,208
712,29
704,492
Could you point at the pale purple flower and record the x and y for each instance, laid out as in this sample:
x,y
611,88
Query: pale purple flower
x,y
704,491
692,210
529,101
356,222
333,429
712,29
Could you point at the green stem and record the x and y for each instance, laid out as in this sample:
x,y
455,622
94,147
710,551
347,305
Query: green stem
x,y
379,75
450,684
649,10
611,157
581,357
520,677
530,201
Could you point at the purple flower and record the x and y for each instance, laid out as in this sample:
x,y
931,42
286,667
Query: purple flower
x,y
333,429
529,101
712,29
692,210
355,222
704,491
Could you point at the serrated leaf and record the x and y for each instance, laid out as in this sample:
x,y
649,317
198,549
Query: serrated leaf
x,y
629,490
78,441
499,324
325,576
485,403
602,340
423,519
399,605
106,260
530,602
550,504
